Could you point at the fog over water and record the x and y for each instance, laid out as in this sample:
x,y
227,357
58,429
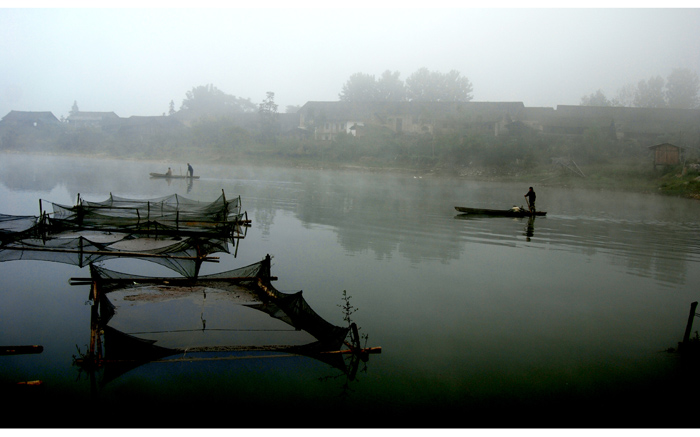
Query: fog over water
x,y
506,318
136,61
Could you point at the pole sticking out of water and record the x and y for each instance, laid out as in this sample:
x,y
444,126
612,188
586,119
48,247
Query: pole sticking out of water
x,y
689,326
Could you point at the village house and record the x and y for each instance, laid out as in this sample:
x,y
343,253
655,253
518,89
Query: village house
x,y
29,118
147,125
645,125
93,119
326,120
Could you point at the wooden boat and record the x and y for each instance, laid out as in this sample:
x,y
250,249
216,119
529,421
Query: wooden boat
x,y
513,212
172,176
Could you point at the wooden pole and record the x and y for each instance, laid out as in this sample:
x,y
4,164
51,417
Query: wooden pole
x,y
181,282
115,253
689,326
93,320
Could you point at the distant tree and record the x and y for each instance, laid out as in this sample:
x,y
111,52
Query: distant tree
x,y
74,110
209,100
390,88
360,87
424,85
650,93
171,108
292,109
268,115
682,88
624,96
595,99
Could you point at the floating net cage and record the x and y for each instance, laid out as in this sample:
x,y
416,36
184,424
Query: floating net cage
x,y
177,233
173,231
171,212
253,280
184,255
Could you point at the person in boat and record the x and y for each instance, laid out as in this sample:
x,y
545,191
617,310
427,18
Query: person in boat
x,y
169,172
190,170
531,196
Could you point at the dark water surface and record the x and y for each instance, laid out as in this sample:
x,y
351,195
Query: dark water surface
x,y
483,321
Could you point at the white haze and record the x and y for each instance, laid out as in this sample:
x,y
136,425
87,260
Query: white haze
x,y
135,61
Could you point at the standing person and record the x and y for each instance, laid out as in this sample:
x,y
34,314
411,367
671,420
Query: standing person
x,y
190,170
169,172
531,196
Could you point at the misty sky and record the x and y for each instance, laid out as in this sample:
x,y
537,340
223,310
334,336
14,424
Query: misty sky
x,y
135,61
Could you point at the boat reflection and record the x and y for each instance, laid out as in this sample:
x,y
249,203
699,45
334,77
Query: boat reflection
x,y
530,228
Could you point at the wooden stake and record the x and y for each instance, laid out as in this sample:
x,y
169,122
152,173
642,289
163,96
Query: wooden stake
x,y
689,326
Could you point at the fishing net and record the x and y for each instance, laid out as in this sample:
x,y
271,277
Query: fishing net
x,y
182,255
16,226
16,223
174,211
253,280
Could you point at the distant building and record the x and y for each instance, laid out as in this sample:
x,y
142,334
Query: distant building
x,y
29,118
137,125
93,119
326,120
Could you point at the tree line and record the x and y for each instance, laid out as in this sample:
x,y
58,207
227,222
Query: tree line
x,y
679,90
423,85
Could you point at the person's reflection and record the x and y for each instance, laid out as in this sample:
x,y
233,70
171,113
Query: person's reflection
x,y
189,184
530,228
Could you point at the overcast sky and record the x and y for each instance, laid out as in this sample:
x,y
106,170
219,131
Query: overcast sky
x,y
135,61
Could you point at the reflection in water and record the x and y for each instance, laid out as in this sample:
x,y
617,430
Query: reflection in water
x,y
530,228
661,251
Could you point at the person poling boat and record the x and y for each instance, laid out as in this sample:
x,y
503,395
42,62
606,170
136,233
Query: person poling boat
x,y
530,197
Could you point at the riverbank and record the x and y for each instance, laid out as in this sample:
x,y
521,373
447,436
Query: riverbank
x,y
624,175
630,175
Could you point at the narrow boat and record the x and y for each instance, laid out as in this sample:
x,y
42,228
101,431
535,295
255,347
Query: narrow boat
x,y
172,176
513,212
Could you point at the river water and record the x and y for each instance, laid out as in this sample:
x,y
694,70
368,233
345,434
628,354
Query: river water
x,y
483,322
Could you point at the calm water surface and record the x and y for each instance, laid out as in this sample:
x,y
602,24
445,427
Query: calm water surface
x,y
482,321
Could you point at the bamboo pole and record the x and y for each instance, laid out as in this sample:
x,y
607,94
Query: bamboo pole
x,y
114,253
93,320
368,350
169,281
